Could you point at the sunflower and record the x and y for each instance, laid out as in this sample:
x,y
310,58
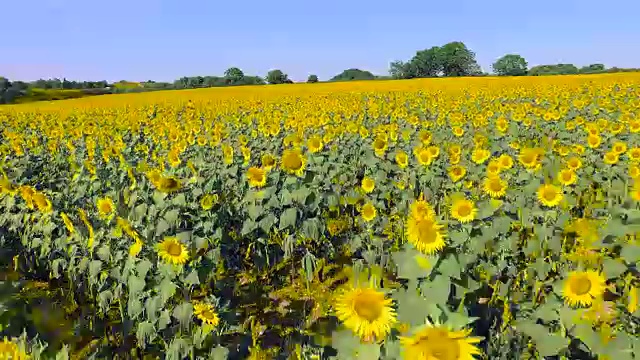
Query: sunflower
x,y
493,168
67,223
11,350
619,147
380,146
479,156
42,202
425,234
368,184
172,251
424,157
634,171
434,341
530,158
293,162
168,184
420,209
206,313
366,312
227,154
594,141
550,195
402,159
257,177
634,192
463,210
457,172
611,158
208,200
574,163
582,287
135,248
106,208
268,162
368,212
634,154
567,177
154,177
457,131
495,187
506,161
434,151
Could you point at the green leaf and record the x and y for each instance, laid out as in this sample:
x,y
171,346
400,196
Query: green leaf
x,y
136,285
630,253
413,309
145,333
613,268
367,351
171,217
167,289
437,291
162,227
219,353
288,218
183,313
192,279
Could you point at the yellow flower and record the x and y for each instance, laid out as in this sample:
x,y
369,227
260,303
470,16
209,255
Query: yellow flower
x,y
634,154
366,312
135,248
106,208
67,223
168,184
256,177
402,159
379,146
506,161
172,251
10,350
479,156
438,342
530,158
425,234
293,162
550,195
619,147
208,200
594,141
567,177
611,158
574,163
424,157
582,287
368,184
268,162
634,192
368,212
314,144
206,313
42,202
463,210
493,168
420,209
456,172
495,187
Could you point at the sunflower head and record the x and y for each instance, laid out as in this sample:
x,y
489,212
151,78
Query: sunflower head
x,y
42,202
463,210
206,313
293,162
550,195
169,184
435,341
314,144
368,184
495,187
581,288
106,207
425,234
402,159
457,172
256,177
368,212
268,162
172,251
208,200
567,177
12,350
366,312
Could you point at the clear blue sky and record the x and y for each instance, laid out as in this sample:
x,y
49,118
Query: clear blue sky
x,y
166,39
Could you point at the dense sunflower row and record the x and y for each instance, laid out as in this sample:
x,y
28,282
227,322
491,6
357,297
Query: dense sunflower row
x,y
423,219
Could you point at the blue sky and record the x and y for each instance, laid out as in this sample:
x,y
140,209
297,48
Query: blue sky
x,y
164,40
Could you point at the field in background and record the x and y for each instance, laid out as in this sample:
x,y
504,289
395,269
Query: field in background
x,y
486,216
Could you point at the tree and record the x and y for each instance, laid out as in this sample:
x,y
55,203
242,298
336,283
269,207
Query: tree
x,y
353,74
555,69
510,65
592,69
277,77
402,70
426,63
312,79
233,75
456,59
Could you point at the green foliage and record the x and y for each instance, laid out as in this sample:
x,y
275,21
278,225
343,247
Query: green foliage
x,y
557,69
353,74
510,65
312,79
277,77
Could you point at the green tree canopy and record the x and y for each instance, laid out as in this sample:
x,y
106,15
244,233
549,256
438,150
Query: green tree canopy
x,y
312,79
353,74
510,65
277,77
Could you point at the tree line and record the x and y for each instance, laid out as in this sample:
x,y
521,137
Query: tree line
x,y
449,60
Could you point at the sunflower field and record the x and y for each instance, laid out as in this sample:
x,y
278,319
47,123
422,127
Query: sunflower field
x,y
430,219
